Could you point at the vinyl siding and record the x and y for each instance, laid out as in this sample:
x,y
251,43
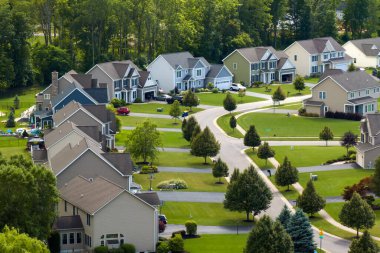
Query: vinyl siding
x,y
361,59
161,71
102,77
303,66
336,97
242,73
369,157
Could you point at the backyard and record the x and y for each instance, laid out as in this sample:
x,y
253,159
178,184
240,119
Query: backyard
x,y
288,90
216,99
169,139
181,160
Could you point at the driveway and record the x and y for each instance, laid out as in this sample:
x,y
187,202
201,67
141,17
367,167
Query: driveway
x,y
170,228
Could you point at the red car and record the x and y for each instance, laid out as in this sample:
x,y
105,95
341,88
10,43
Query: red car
x,y
123,111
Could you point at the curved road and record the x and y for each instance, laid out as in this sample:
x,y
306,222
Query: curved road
x,y
232,153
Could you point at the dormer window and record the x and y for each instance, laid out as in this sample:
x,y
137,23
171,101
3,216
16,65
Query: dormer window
x,y
179,74
352,94
333,55
367,92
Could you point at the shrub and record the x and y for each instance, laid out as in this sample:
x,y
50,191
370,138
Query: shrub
x,y
191,227
301,111
101,249
182,233
163,247
176,244
343,115
206,90
224,90
138,100
210,86
148,169
176,183
117,250
128,248
362,188
256,84
118,103
215,90
197,90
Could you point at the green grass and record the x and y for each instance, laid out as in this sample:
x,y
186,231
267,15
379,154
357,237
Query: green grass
x,y
151,108
173,159
321,223
208,214
259,162
289,195
332,183
224,123
288,90
290,106
279,125
200,182
303,156
217,98
10,151
216,243
314,80
161,123
6,141
169,139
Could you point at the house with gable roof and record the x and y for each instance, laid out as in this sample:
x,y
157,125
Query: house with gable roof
x,y
314,56
368,149
366,52
259,64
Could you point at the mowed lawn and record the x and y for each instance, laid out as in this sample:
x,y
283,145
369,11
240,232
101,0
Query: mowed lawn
x,y
208,214
217,98
169,139
132,121
151,108
200,182
279,125
304,156
224,123
259,162
9,151
6,141
288,90
176,159
290,106
216,243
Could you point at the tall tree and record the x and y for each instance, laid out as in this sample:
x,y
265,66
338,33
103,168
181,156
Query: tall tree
x,y
265,152
188,128
229,103
252,138
286,174
299,19
13,241
11,120
324,18
258,239
356,16
278,95
284,217
278,11
357,214
309,201
248,193
348,140
220,169
300,231
205,144
190,99
364,244
175,111
326,134
376,178
299,84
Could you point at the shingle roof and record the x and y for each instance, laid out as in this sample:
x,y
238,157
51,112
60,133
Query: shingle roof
x,y
149,197
100,112
90,196
68,223
99,94
214,70
178,59
117,69
121,161
317,45
355,80
204,61
366,146
85,80
362,100
367,46
143,77
62,114
373,120
313,103
255,54
330,72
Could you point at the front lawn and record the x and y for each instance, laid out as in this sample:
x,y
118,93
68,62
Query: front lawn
x,y
224,123
304,156
288,90
151,108
313,80
290,106
199,182
169,139
208,214
289,195
217,98
279,125
259,162
173,159
132,121
217,243
9,151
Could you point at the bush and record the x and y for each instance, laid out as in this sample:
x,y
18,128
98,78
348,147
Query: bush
x,y
138,101
117,250
191,227
210,86
101,249
197,90
301,111
176,183
256,84
148,169
215,90
343,115
224,91
118,103
128,248
182,233
163,247
176,244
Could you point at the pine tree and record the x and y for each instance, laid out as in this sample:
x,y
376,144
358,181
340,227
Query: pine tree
x,y
190,99
286,174
205,144
326,135
11,120
284,217
309,201
16,102
252,138
233,123
229,103
188,128
376,178
299,84
175,111
357,214
235,175
300,231
220,169
184,124
278,95
364,244
265,152
351,68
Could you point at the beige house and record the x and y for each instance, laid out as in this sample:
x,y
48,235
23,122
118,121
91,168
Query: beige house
x,y
109,216
368,150
349,92
314,56
366,52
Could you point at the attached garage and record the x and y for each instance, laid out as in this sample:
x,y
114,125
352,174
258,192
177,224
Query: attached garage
x,y
342,66
149,95
286,78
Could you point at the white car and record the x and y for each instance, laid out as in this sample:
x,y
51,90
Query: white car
x,y
20,130
237,87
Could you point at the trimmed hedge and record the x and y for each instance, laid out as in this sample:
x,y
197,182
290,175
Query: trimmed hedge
x,y
302,112
148,169
191,227
101,249
176,244
176,183
128,248
163,247
343,115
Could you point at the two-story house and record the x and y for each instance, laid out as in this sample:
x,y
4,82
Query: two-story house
x,y
368,149
260,64
349,92
183,71
314,56
125,80
366,52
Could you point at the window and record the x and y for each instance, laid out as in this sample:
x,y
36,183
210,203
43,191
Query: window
x,y
367,92
322,95
314,69
255,78
333,55
295,57
79,238
325,56
314,58
199,72
71,238
272,76
263,65
326,109
65,206
234,66
272,64
352,94
64,239
46,96
255,66
88,219
179,74
354,60
377,89
178,86
134,94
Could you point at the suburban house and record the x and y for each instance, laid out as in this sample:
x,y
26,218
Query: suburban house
x,y
349,92
366,52
69,87
312,57
125,80
97,212
95,120
260,64
183,71
368,149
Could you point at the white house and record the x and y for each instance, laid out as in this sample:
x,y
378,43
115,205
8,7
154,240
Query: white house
x,y
366,52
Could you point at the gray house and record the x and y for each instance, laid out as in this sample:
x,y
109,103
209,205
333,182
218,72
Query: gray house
x,y
368,150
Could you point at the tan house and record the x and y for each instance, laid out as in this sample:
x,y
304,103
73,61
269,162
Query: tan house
x,y
314,56
366,52
260,64
368,150
349,92
98,212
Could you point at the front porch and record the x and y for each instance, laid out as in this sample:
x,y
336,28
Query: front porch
x,y
361,106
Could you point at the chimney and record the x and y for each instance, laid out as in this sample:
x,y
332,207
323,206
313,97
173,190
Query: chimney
x,y
54,83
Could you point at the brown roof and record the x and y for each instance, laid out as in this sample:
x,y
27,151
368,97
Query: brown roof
x,y
90,196
149,197
317,45
68,223
121,161
66,111
369,47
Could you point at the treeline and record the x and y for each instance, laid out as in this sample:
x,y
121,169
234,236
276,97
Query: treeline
x,y
79,33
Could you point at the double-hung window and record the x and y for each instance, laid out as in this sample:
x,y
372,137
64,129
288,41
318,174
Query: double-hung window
x,y
322,95
314,58
314,69
199,72
179,73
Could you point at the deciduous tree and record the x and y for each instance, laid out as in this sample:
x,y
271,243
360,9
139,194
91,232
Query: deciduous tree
x,y
175,111
220,169
188,128
364,244
348,140
299,84
326,134
190,99
229,103
375,186
309,201
13,241
265,152
252,138
278,95
286,174
205,144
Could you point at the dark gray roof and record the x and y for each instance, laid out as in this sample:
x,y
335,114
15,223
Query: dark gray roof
x,y
316,46
366,146
362,100
92,131
187,77
99,94
373,121
254,54
68,223
183,59
370,47
355,80
214,70
85,80
330,72
100,112
39,156
204,61
121,161
143,77
149,197
116,69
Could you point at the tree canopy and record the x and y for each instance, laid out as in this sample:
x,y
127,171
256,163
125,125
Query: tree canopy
x,y
364,244
326,134
229,103
205,144
286,174
252,138
309,201
220,169
12,241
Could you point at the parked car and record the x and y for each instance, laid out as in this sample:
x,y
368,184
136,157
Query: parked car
x,y
162,217
123,111
174,98
20,130
237,87
163,97
374,72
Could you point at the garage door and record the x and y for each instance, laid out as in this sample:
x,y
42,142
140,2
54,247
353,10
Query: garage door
x,y
223,84
342,66
287,78
149,95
